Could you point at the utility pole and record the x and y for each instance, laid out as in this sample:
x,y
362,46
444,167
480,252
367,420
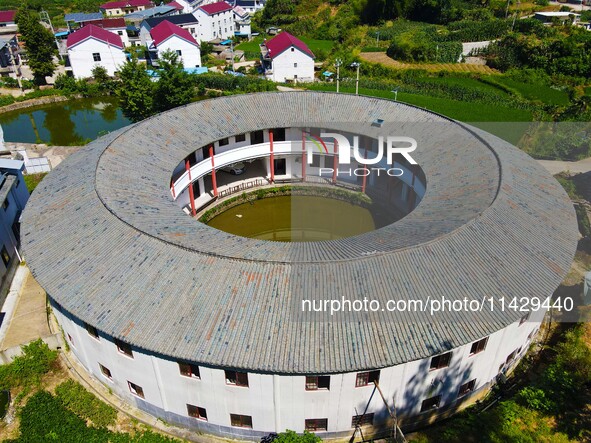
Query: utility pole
x,y
232,52
356,65
377,39
338,62
45,17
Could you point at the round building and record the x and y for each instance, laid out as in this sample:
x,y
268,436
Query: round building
x,y
232,335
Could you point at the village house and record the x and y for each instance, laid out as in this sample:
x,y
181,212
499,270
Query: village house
x,y
185,21
241,22
286,58
7,23
92,46
167,36
216,21
114,25
123,7
250,6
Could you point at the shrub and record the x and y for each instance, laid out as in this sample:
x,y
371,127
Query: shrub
x,y
26,370
84,404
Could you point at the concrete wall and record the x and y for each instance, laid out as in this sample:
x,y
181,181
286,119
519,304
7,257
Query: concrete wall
x,y
293,64
278,402
190,53
215,26
82,60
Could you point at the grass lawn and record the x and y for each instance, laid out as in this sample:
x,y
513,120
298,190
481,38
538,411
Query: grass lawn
x,y
490,118
536,92
315,46
32,180
469,83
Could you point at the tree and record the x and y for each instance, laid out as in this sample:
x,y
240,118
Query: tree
x,y
39,44
175,87
135,91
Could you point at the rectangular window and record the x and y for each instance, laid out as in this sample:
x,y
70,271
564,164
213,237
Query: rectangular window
x,y
5,256
224,142
135,389
5,204
237,378
124,348
466,388
478,346
241,421
511,357
189,370
362,420
316,424
240,138
295,65
314,382
179,52
431,403
120,32
440,361
197,412
106,372
315,160
92,331
96,56
365,378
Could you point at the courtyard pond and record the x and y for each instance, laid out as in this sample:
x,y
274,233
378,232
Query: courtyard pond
x,y
297,218
68,123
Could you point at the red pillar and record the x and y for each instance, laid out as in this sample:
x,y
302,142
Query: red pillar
x,y
303,157
191,196
272,158
213,181
335,163
365,172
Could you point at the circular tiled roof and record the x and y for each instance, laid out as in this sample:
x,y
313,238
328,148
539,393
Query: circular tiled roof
x,y
103,236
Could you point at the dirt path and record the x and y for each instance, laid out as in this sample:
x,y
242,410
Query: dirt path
x,y
382,58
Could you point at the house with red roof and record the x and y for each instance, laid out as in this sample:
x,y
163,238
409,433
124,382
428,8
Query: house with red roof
x,y
216,21
7,23
286,58
123,7
90,46
115,25
167,36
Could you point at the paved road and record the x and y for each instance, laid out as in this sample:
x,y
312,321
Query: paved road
x,y
556,166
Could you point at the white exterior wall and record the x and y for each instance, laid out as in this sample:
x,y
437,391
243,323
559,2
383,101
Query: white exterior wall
x,y
120,11
122,33
279,402
215,26
82,62
190,53
284,66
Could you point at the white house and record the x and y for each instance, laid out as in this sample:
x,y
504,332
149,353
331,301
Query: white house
x,y
91,46
123,7
7,23
250,6
167,36
185,21
287,58
241,22
114,25
216,21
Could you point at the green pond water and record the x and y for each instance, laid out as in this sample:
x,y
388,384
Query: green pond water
x,y
297,218
73,122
